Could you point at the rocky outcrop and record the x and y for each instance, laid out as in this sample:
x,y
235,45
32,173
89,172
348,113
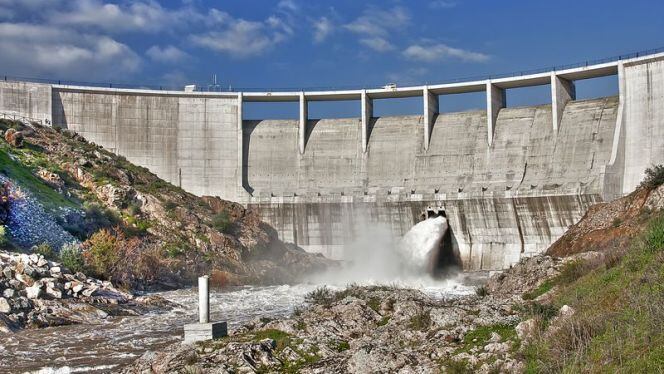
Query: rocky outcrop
x,y
610,225
35,292
361,330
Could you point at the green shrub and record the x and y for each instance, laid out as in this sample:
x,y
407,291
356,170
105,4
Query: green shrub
x,y
71,257
654,237
654,177
481,291
170,206
3,236
543,288
101,255
321,295
45,250
221,221
420,321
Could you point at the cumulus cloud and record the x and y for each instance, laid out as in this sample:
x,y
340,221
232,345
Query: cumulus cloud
x,y
142,15
323,27
46,50
377,43
242,38
379,22
168,54
288,5
375,25
440,52
442,4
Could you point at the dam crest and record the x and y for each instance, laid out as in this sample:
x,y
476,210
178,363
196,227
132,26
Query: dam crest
x,y
510,180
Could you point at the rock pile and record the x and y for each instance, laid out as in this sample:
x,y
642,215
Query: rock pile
x,y
28,223
37,292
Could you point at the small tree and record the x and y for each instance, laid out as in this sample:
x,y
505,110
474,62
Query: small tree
x,y
654,177
71,257
101,253
221,221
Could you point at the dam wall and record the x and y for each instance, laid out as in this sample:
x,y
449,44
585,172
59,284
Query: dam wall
x,y
188,141
511,180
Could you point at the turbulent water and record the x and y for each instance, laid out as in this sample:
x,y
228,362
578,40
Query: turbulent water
x,y
120,340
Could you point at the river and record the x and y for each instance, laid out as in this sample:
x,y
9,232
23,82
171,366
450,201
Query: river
x,y
120,340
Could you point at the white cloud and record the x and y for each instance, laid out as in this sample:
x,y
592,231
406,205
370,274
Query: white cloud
x,y
46,50
378,22
442,4
168,54
242,38
376,25
377,43
141,15
439,52
323,27
289,5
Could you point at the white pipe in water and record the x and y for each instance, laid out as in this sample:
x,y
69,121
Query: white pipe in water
x,y
203,299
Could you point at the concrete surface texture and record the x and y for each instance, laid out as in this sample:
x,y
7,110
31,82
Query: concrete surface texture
x,y
510,179
25,100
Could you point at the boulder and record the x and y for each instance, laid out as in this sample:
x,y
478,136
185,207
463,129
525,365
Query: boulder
x,y
526,330
9,293
34,292
4,306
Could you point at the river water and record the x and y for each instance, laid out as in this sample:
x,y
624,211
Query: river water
x,y
120,340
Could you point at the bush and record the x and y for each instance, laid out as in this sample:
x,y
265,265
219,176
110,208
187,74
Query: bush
x,y
221,222
45,250
71,257
654,177
654,237
3,236
481,291
421,321
101,254
321,295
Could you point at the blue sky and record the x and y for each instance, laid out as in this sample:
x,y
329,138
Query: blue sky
x,y
297,44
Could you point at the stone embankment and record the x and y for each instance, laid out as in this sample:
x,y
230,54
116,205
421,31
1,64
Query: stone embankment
x,y
36,292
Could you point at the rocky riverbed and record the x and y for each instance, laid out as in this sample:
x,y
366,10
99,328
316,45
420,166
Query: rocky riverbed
x,y
36,292
378,329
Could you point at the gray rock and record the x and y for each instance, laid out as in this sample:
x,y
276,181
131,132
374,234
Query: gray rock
x,y
4,306
9,293
34,292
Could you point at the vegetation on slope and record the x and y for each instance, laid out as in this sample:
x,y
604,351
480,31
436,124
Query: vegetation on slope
x,y
617,298
136,229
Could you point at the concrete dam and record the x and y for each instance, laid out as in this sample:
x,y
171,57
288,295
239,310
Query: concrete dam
x,y
510,180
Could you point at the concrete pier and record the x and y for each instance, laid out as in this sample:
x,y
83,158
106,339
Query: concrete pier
x,y
495,101
562,92
430,110
204,329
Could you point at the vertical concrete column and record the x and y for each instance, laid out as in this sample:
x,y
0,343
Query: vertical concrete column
x,y
562,91
203,299
303,122
240,147
367,113
495,100
430,110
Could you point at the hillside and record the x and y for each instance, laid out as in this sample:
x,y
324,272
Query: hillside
x,y
127,225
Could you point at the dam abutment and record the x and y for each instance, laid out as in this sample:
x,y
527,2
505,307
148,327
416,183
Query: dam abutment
x,y
511,179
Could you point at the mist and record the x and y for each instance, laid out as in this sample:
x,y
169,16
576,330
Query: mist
x,y
377,257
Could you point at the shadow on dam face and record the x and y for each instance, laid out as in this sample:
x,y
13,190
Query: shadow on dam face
x,y
446,261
